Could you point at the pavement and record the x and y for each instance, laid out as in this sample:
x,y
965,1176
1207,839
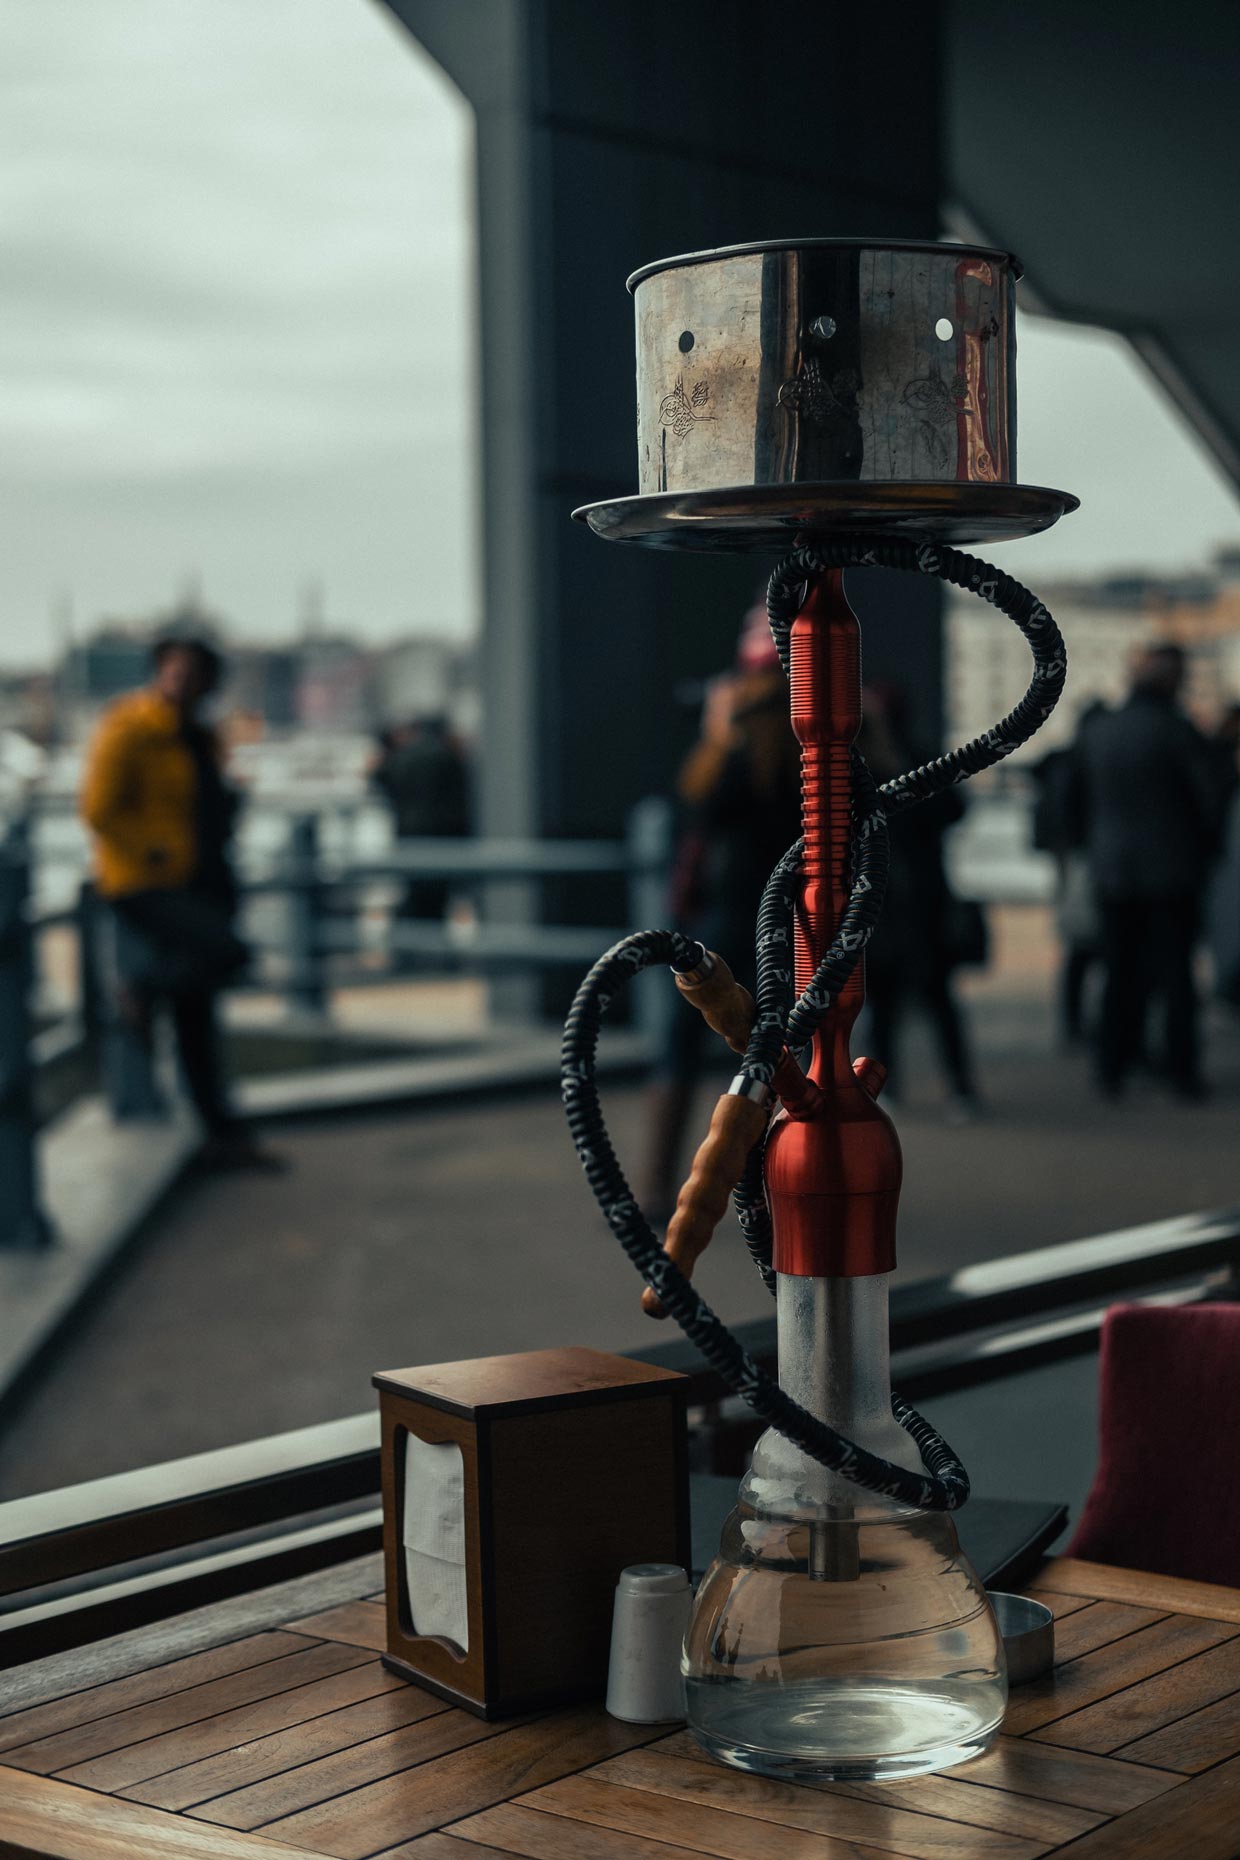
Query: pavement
x,y
99,1183
259,1303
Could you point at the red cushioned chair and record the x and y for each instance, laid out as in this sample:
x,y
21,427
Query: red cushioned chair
x,y
1166,1495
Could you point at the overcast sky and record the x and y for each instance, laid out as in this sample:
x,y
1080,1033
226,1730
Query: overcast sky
x,y
1093,420
235,347
237,247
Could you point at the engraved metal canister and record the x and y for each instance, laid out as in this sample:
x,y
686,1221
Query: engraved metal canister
x,y
826,361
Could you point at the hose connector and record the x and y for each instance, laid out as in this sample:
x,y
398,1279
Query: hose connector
x,y
697,967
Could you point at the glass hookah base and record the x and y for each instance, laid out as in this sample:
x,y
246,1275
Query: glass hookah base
x,y
862,1730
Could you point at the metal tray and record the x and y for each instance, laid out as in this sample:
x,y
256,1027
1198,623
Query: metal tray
x,y
774,516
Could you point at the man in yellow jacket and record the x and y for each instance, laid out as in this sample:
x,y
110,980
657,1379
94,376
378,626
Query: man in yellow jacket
x,y
161,816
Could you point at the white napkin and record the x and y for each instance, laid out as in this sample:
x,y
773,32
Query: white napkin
x,y
434,1538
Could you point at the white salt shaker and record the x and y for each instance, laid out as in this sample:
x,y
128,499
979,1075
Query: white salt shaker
x,y
648,1625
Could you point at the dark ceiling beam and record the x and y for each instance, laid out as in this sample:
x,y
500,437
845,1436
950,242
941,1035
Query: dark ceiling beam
x,y
1099,141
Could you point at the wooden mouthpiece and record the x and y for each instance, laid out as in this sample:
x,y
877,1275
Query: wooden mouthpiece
x,y
735,1127
724,1005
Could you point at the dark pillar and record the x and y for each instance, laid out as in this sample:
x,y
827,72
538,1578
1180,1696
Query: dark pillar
x,y
609,136
23,1226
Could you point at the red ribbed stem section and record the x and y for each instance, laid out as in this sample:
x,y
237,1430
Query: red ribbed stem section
x,y
826,715
832,1169
826,820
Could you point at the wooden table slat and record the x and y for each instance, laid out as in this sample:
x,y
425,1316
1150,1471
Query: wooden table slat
x,y
302,1785
73,1747
1098,1625
362,1624
1194,1743
1111,1668
41,1815
1149,1706
359,1702
1103,1783
921,1837
260,1757
450,1847
1198,1821
509,1829
385,1813
956,1800
153,1682
697,1827
951,1796
1060,1603
1175,1595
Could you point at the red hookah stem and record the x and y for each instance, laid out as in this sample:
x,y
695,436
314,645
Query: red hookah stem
x,y
825,678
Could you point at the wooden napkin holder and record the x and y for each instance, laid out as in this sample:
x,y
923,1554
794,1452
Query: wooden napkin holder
x,y
574,1465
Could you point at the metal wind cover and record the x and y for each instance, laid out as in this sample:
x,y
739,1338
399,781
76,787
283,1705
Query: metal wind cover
x,y
826,361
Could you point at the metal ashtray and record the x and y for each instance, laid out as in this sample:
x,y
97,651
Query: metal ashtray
x,y
1028,1630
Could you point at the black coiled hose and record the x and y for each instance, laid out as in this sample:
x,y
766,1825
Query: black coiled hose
x,y
780,1022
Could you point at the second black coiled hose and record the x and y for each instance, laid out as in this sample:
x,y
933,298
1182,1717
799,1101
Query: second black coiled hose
x,y
780,1022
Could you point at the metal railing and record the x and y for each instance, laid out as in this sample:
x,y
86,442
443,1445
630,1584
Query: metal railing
x,y
324,918
317,924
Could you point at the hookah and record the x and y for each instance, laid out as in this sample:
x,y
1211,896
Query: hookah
x,y
855,400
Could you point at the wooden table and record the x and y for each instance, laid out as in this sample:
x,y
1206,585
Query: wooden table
x,y
283,1735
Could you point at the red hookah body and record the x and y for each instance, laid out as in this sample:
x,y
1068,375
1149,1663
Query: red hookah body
x,y
833,1165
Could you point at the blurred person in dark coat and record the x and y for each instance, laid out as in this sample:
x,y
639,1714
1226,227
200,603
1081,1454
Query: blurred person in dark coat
x,y
917,946
1151,811
421,773
1058,830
